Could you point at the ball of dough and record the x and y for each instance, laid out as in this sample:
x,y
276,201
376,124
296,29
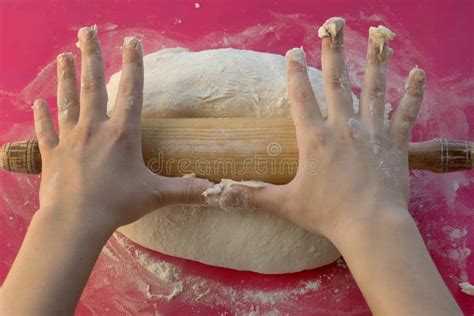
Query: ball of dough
x,y
223,83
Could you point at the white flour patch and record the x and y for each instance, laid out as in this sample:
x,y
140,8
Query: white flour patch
x,y
164,281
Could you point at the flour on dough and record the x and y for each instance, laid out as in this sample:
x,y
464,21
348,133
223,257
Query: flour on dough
x,y
224,83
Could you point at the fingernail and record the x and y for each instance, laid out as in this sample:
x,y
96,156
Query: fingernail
x,y
416,82
297,54
379,37
418,75
133,42
129,41
64,59
86,33
331,27
38,104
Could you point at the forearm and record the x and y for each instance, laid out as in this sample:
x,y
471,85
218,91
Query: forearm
x,y
391,265
53,265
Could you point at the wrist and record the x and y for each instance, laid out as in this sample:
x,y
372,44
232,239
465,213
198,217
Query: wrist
x,y
371,222
74,221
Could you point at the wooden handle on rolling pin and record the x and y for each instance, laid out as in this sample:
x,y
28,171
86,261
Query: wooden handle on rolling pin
x,y
237,148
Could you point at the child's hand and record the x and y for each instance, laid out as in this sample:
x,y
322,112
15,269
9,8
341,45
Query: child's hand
x,y
350,164
94,170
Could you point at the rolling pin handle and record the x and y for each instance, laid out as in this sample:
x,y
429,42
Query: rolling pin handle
x,y
23,156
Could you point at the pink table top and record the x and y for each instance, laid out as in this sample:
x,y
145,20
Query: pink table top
x,y
126,279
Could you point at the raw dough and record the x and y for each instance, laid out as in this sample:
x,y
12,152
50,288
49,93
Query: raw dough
x,y
223,83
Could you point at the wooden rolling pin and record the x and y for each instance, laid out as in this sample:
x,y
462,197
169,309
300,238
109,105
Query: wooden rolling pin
x,y
239,149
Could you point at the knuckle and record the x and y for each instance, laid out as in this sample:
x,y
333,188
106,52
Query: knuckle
x,y
335,84
83,134
65,102
352,129
415,91
376,91
296,69
317,138
89,43
404,128
128,87
187,192
337,80
122,131
302,95
92,83
131,56
63,114
410,111
347,133
66,73
257,200
65,63
347,137
42,126
416,82
119,131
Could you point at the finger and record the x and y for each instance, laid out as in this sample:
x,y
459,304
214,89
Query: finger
x,y
68,96
304,107
130,94
336,84
44,127
93,93
372,101
406,113
181,190
247,194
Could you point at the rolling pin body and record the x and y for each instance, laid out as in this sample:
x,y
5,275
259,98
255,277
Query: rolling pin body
x,y
237,148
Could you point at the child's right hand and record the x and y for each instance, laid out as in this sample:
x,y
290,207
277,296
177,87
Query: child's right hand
x,y
350,164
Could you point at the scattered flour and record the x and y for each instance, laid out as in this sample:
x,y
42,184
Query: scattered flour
x,y
456,250
163,270
164,281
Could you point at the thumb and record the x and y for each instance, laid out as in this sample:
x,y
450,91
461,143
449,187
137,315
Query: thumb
x,y
248,194
182,190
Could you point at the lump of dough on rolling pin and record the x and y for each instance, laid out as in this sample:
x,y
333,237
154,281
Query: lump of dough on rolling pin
x,y
331,27
380,36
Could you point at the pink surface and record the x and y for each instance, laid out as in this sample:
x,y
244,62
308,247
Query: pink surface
x,y
432,34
